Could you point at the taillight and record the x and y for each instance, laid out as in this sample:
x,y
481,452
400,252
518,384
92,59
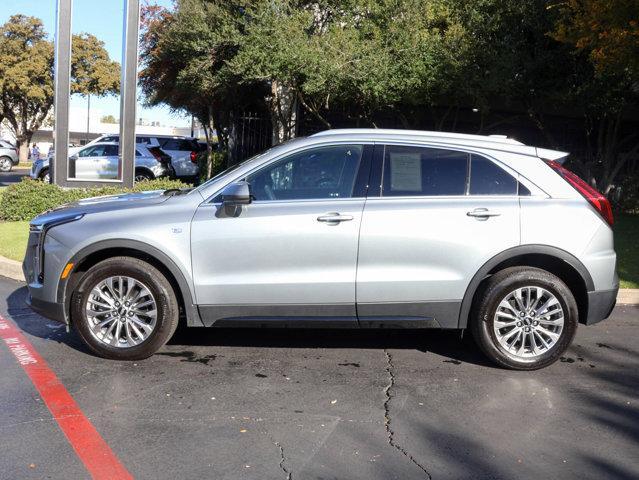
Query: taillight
x,y
194,157
155,154
594,197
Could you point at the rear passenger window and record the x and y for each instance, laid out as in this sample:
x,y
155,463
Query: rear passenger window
x,y
420,171
486,178
176,144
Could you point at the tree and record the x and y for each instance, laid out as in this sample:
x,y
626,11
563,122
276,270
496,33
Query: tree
x,y
183,56
26,74
604,37
108,119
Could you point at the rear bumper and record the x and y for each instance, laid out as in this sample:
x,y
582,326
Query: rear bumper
x,y
600,305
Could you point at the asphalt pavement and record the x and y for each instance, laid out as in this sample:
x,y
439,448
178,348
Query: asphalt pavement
x,y
308,404
14,176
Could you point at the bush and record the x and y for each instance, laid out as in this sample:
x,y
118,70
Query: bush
x,y
29,198
627,196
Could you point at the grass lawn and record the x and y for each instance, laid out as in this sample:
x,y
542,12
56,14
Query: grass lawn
x,y
13,242
627,246
13,239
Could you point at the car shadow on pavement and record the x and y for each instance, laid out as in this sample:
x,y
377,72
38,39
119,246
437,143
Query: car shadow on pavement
x,y
38,326
448,344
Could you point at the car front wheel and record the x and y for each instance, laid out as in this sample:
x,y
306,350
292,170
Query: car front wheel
x,y
124,309
524,318
5,164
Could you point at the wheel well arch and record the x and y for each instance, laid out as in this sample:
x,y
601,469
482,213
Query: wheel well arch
x,y
144,170
90,256
556,261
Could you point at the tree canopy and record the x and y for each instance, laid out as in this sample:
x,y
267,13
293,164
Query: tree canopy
x,y
420,63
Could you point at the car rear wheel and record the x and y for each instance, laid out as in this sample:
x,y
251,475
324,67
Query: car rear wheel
x,y
5,164
142,175
124,309
524,318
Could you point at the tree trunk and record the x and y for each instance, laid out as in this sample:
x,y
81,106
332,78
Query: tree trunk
x,y
283,105
23,148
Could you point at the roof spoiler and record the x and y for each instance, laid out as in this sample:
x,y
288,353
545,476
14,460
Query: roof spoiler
x,y
556,155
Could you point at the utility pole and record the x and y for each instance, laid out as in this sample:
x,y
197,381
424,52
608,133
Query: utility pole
x,y
86,138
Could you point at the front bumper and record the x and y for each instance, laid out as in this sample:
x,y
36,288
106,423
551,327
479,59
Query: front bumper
x,y
600,305
52,310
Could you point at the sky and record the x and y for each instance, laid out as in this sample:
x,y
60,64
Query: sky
x,y
104,20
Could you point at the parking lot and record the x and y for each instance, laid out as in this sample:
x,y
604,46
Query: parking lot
x,y
328,405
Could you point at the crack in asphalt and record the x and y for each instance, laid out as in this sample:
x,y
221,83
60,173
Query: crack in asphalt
x,y
387,419
288,473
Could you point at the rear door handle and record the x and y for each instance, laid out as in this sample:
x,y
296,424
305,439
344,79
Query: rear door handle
x,y
334,217
482,213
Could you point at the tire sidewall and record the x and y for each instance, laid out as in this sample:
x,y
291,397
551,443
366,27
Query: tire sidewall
x,y
498,291
5,164
167,309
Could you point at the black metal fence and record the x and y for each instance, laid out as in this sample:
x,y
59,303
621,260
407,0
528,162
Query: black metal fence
x,y
252,134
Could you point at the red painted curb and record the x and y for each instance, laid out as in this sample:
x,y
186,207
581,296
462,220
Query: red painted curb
x,y
96,455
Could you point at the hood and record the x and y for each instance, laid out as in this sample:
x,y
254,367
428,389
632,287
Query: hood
x,y
102,204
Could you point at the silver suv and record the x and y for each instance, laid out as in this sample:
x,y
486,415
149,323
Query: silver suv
x,y
101,161
346,228
8,156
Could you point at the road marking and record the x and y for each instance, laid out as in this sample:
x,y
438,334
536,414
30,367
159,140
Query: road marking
x,y
97,456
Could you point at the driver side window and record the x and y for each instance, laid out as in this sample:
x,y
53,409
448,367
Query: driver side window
x,y
316,173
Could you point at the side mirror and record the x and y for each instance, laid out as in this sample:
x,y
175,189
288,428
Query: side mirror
x,y
73,157
238,193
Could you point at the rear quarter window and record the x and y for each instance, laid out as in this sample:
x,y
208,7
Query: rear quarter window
x,y
487,178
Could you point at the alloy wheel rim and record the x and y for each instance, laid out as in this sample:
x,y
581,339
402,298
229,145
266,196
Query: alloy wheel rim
x,y
5,165
528,322
121,312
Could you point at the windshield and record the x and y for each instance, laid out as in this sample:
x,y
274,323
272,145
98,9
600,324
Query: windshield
x,y
234,167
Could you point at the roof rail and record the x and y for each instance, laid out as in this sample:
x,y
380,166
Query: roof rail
x,y
422,133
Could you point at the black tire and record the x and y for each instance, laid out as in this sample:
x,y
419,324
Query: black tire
x,y
494,290
166,305
141,175
44,175
5,164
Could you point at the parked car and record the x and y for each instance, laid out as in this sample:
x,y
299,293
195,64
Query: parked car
x,y
183,152
9,156
346,228
100,161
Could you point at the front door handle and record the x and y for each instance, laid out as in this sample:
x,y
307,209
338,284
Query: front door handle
x,y
334,217
482,213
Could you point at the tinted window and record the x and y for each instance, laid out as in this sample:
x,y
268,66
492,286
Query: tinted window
x,y
324,172
91,151
416,171
111,150
145,140
176,144
486,178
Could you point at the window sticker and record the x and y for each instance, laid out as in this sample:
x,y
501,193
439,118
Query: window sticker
x,y
406,171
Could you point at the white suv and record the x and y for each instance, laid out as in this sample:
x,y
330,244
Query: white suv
x,y
346,228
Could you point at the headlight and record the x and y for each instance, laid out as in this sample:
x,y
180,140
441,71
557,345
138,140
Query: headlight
x,y
41,229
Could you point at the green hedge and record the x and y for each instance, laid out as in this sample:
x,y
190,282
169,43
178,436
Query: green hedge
x,y
29,198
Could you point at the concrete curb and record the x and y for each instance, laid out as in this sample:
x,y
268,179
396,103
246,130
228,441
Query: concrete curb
x,y
628,296
12,269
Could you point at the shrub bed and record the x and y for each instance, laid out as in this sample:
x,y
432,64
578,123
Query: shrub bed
x,y
29,198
